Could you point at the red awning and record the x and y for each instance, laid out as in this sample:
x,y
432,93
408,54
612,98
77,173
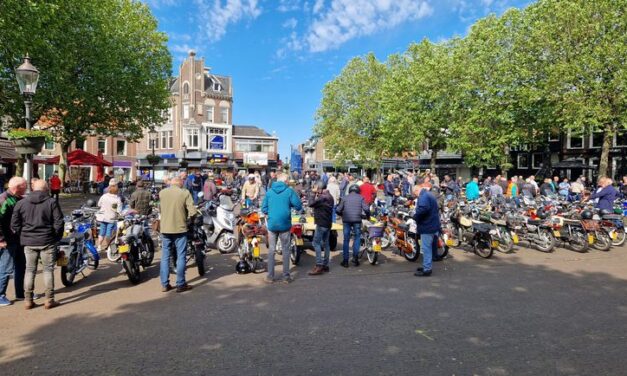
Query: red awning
x,y
79,157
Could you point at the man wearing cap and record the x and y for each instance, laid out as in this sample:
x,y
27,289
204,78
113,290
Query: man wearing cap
x,y
250,191
140,199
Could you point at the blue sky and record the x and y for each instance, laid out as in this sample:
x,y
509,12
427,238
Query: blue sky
x,y
280,53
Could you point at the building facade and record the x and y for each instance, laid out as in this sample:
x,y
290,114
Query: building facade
x,y
198,127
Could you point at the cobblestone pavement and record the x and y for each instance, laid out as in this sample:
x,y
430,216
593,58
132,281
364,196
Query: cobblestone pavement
x,y
526,313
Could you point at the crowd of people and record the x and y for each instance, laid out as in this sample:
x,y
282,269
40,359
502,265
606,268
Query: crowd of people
x,y
32,226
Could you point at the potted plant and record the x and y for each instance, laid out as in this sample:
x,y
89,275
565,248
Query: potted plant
x,y
153,159
28,141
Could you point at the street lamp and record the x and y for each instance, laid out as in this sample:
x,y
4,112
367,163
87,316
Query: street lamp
x,y
27,77
152,135
183,163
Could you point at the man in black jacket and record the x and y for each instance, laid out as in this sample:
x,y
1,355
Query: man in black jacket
x,y
140,199
322,203
351,208
39,222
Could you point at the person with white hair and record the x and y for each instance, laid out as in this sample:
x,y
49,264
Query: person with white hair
x,y
12,259
39,222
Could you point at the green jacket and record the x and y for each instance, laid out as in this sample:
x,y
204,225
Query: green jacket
x,y
7,204
177,206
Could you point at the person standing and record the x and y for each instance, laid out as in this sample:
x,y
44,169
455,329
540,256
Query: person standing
x,y
196,183
271,180
209,189
39,222
351,209
250,191
334,191
427,219
110,206
564,188
322,203
368,191
140,199
606,195
12,260
55,186
177,206
388,190
278,205
472,189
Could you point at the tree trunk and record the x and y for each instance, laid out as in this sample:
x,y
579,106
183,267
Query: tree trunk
x,y
434,157
63,163
608,137
505,166
19,165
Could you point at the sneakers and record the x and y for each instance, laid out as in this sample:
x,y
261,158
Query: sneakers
x,y
51,304
421,273
344,263
325,268
355,261
166,288
288,279
317,270
4,301
183,288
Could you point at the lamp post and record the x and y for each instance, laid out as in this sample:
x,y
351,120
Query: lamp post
x,y
183,163
27,78
152,134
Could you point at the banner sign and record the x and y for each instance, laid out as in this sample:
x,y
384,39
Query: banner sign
x,y
256,158
216,143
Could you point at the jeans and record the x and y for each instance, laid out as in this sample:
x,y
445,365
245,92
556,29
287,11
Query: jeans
x,y
179,242
195,197
48,255
426,246
285,238
6,267
106,229
321,240
388,201
19,272
356,229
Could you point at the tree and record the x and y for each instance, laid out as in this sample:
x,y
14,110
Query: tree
x,y
104,66
349,117
583,46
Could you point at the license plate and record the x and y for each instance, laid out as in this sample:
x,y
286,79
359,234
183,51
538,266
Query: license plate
x,y
495,243
557,234
450,242
299,242
256,252
123,248
590,239
62,261
376,247
515,238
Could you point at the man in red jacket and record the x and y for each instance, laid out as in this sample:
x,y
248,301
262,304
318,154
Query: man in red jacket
x,y
368,191
55,186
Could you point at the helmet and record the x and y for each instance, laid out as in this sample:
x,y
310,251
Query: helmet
x,y
586,214
242,267
354,189
321,185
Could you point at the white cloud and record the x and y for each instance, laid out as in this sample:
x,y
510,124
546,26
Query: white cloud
x,y
344,20
290,23
318,6
182,48
215,16
288,6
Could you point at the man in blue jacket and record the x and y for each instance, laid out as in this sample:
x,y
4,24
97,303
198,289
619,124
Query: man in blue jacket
x,y
351,209
278,205
427,219
472,189
606,195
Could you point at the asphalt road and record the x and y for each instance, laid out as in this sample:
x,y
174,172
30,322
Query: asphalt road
x,y
525,313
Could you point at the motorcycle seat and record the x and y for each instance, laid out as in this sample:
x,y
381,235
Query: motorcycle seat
x,y
498,222
483,227
535,222
567,221
465,222
613,217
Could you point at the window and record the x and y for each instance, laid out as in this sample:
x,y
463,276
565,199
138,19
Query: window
x,y
574,141
620,139
191,138
254,145
554,134
536,160
80,144
523,161
216,139
186,111
224,114
170,139
49,145
120,147
217,86
102,146
199,109
164,140
596,140
170,117
210,114
186,88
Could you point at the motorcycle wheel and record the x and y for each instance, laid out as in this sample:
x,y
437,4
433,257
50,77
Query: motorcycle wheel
x,y
68,272
386,240
620,238
413,256
92,263
333,240
482,249
150,253
132,269
200,262
226,243
603,241
506,243
578,242
295,251
443,250
112,252
546,242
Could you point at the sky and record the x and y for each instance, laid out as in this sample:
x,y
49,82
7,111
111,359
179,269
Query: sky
x,y
280,53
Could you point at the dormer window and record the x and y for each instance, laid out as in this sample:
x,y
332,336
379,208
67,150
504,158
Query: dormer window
x,y
186,88
217,86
